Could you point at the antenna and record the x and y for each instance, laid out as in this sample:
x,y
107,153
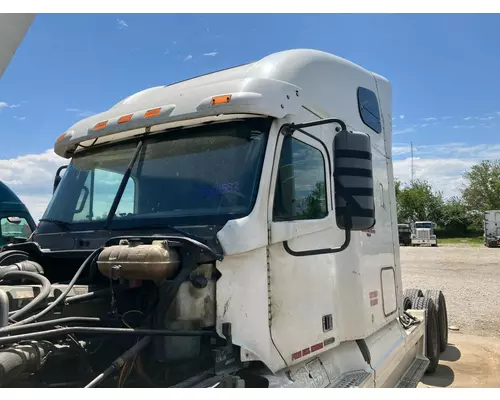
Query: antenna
x,y
411,170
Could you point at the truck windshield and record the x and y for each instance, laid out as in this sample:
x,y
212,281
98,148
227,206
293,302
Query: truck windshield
x,y
204,175
423,225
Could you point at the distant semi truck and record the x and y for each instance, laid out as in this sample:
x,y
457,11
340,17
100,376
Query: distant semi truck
x,y
16,223
423,234
404,234
492,228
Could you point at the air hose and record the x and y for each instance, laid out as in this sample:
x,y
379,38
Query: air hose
x,y
44,292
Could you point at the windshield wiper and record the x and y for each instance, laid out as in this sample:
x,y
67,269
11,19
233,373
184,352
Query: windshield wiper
x,y
62,224
121,190
122,186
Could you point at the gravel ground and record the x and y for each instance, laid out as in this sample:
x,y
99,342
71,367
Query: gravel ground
x,y
469,278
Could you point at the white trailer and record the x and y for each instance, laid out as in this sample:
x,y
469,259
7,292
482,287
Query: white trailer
x,y
423,234
492,228
272,183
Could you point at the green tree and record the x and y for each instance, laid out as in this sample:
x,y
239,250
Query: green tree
x,y
481,190
315,203
456,218
418,202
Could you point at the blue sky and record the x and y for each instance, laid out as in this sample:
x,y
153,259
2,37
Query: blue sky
x,y
443,68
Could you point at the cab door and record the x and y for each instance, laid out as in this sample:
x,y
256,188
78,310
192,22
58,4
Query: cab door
x,y
301,219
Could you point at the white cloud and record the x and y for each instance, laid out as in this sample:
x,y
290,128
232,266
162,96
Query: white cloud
x,y
86,113
121,24
31,176
402,149
464,126
402,117
467,118
486,119
409,129
442,165
189,57
80,113
430,119
447,117
444,175
20,118
4,104
212,54
424,125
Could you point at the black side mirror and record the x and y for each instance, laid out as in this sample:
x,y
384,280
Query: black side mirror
x,y
58,177
353,175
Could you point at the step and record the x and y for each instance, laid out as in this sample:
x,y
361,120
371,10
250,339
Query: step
x,y
351,380
414,373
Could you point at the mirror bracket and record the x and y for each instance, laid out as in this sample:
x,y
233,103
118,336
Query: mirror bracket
x,y
57,178
289,129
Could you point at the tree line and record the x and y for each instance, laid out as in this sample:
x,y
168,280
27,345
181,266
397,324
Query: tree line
x,y
460,215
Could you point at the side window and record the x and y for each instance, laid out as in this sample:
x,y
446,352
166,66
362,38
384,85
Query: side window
x,y
12,228
369,109
300,186
98,193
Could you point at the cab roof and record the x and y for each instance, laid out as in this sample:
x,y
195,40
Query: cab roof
x,y
276,86
9,202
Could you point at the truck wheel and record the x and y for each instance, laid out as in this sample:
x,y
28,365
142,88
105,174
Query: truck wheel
x,y
413,293
438,297
407,303
431,331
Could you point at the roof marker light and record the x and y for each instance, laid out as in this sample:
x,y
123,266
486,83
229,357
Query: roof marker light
x,y
60,138
221,99
100,125
125,118
152,113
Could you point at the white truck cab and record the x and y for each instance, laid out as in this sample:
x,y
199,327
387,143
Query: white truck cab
x,y
423,234
281,172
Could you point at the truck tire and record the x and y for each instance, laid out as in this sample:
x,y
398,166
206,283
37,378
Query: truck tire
x,y
431,331
438,297
413,293
407,303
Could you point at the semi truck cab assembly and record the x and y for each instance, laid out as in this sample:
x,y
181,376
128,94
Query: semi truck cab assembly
x,y
237,229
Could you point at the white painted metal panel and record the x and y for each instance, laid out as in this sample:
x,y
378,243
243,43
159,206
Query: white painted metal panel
x,y
13,28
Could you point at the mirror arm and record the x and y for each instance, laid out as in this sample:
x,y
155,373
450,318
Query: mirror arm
x,y
293,127
58,178
288,129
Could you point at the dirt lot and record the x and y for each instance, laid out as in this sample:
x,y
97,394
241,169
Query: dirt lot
x,y
469,278
468,362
